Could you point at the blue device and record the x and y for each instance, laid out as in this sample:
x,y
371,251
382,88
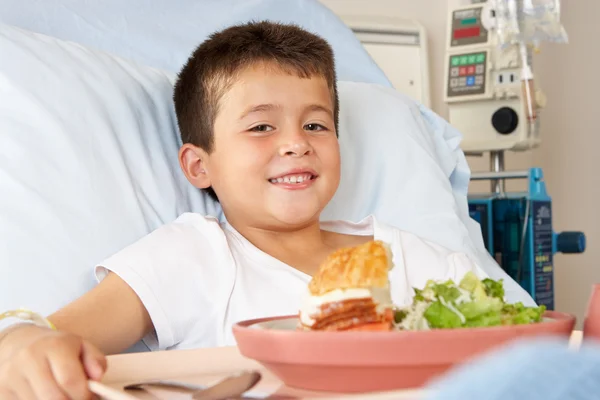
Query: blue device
x,y
517,231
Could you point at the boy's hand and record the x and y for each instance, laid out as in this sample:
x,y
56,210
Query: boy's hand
x,y
38,363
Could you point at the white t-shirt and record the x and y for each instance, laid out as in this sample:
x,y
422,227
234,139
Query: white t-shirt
x,y
197,277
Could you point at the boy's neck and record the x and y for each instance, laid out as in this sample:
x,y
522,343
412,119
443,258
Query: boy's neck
x,y
296,239
303,248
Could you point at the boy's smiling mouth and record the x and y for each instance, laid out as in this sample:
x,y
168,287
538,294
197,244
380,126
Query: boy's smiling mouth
x,y
295,179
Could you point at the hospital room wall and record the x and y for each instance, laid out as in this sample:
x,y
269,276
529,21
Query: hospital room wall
x,y
567,75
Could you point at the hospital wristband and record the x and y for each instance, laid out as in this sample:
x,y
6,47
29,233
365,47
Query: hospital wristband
x,y
28,316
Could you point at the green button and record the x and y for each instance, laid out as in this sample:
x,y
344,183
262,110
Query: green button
x,y
480,58
472,59
464,60
468,21
455,61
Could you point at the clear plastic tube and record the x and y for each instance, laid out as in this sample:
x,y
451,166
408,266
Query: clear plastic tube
x,y
527,84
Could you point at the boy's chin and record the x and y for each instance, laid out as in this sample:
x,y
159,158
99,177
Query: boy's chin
x,y
299,216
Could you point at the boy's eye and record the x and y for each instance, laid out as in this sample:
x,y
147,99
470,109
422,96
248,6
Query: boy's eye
x,y
314,127
262,128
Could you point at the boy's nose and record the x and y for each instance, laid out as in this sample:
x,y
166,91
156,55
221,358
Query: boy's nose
x,y
295,145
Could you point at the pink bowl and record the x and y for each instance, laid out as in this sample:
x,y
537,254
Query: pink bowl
x,y
591,322
346,362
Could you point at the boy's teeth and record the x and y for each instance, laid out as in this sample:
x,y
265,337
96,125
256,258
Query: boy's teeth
x,y
291,179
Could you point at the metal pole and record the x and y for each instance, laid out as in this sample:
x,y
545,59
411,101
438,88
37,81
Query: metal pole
x,y
480,176
497,165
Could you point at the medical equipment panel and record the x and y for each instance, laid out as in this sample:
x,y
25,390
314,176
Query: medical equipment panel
x,y
489,87
467,74
517,231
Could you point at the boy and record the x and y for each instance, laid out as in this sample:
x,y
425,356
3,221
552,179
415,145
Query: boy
x,y
257,108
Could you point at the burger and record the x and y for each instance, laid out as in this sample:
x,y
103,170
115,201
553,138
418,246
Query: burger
x,y
351,291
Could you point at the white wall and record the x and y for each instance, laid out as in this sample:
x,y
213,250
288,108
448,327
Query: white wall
x,y
571,138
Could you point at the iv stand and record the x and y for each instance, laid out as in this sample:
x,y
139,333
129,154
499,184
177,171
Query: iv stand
x,y
497,165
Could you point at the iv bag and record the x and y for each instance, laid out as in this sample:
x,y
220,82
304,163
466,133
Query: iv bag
x,y
506,21
541,22
528,22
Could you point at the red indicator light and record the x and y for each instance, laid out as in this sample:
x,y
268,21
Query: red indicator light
x,y
466,32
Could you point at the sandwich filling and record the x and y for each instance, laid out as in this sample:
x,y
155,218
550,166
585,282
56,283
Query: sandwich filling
x,y
348,309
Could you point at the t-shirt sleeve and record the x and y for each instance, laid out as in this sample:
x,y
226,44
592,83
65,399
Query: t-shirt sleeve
x,y
182,274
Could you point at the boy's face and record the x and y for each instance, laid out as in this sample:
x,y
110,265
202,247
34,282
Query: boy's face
x,y
276,158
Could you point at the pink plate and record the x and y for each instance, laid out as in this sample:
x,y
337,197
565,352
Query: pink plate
x,y
347,362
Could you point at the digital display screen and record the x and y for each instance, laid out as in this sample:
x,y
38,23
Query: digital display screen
x,y
466,27
463,33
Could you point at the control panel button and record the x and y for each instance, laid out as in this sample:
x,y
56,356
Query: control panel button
x,y
465,76
505,120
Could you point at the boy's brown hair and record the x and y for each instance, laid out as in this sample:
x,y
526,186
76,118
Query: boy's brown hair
x,y
214,65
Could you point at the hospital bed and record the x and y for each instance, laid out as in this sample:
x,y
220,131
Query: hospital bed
x,y
88,138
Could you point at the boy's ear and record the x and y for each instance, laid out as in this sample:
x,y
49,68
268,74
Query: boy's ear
x,y
192,160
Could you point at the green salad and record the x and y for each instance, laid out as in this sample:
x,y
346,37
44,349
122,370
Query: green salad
x,y
472,303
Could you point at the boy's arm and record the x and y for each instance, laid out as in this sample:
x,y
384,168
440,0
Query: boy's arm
x,y
110,316
37,362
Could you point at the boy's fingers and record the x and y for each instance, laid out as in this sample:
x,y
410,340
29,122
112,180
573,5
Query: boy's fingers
x,y
94,362
7,394
68,370
41,380
21,388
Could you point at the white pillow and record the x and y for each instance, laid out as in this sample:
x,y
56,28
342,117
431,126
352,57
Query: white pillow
x,y
163,33
88,164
